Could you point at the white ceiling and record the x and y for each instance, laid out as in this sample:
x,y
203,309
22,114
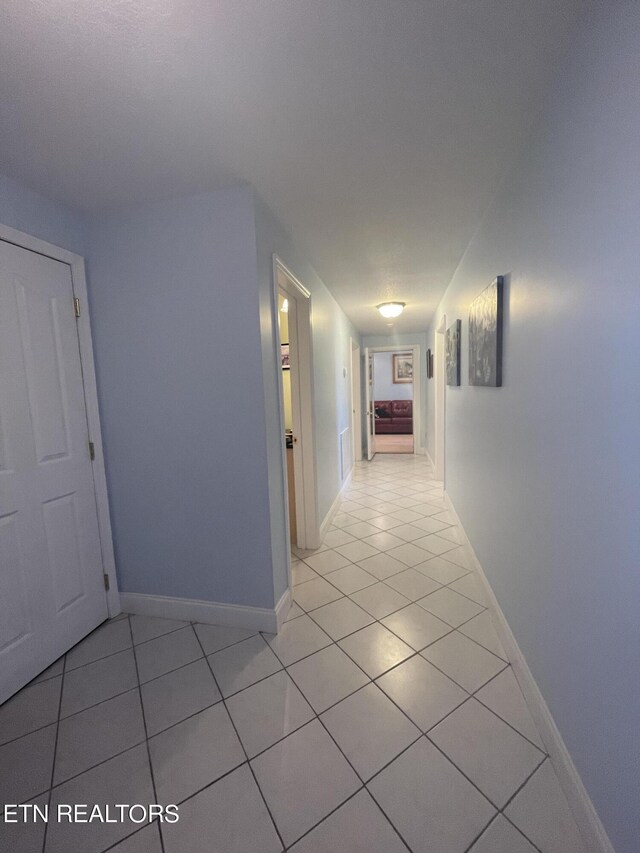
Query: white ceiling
x,y
376,130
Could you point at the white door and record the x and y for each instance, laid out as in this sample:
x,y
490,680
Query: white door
x,y
51,578
370,401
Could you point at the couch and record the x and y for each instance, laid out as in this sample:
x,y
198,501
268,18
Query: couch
x,y
393,416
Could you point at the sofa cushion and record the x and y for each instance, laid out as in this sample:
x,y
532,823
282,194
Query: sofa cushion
x,y
402,408
382,408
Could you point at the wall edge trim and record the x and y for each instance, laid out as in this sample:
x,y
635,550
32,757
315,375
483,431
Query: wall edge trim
x,y
584,812
334,506
208,612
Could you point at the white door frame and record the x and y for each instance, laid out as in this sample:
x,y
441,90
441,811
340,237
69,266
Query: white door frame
x,y
355,405
79,284
418,449
308,527
441,398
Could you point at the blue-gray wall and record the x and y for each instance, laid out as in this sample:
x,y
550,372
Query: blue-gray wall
x,y
545,472
175,319
384,387
34,214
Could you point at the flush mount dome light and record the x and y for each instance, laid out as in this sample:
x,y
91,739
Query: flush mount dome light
x,y
391,309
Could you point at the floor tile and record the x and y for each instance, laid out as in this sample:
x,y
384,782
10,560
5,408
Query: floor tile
x,y
482,630
369,729
229,817
384,522
23,836
343,519
470,586
379,600
453,534
213,638
383,541
409,554
194,753
31,708
294,611
406,515
504,697
488,751
430,525
431,804
178,694
166,653
326,677
412,584
424,693
50,671
146,628
407,533
382,566
338,537
145,840
123,779
297,639
341,617
106,640
357,551
241,665
383,508
302,554
364,513
356,827
297,798
446,516
461,557
441,570
98,681
502,837
268,711
450,606
435,544
362,529
416,627
301,572
375,649
541,811
315,593
98,733
26,764
350,579
327,561
467,663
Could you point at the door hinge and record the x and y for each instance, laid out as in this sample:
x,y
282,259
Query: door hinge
x,y
106,581
92,451
76,306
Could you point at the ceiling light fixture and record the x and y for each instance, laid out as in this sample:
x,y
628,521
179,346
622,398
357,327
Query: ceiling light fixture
x,y
391,309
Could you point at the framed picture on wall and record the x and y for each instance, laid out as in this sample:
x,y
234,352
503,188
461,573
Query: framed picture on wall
x,y
454,333
284,357
485,336
429,364
402,368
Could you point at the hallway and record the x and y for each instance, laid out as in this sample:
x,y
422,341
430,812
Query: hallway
x,y
383,717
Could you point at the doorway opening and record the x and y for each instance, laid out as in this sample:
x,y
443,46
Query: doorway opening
x,y
293,308
392,386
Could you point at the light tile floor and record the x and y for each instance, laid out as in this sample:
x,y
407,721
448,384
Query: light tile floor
x,y
383,717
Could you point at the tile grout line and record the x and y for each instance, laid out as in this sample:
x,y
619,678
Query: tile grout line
x,y
248,762
146,734
55,752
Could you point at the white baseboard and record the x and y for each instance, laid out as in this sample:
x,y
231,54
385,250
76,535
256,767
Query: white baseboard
x,y
334,506
428,455
209,612
593,832
282,608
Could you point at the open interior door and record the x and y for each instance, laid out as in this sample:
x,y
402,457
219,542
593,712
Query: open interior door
x,y
371,442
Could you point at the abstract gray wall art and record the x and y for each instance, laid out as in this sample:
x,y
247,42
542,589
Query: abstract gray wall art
x,y
485,336
454,333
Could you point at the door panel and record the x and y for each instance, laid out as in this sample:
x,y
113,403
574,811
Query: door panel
x,y
371,446
51,566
